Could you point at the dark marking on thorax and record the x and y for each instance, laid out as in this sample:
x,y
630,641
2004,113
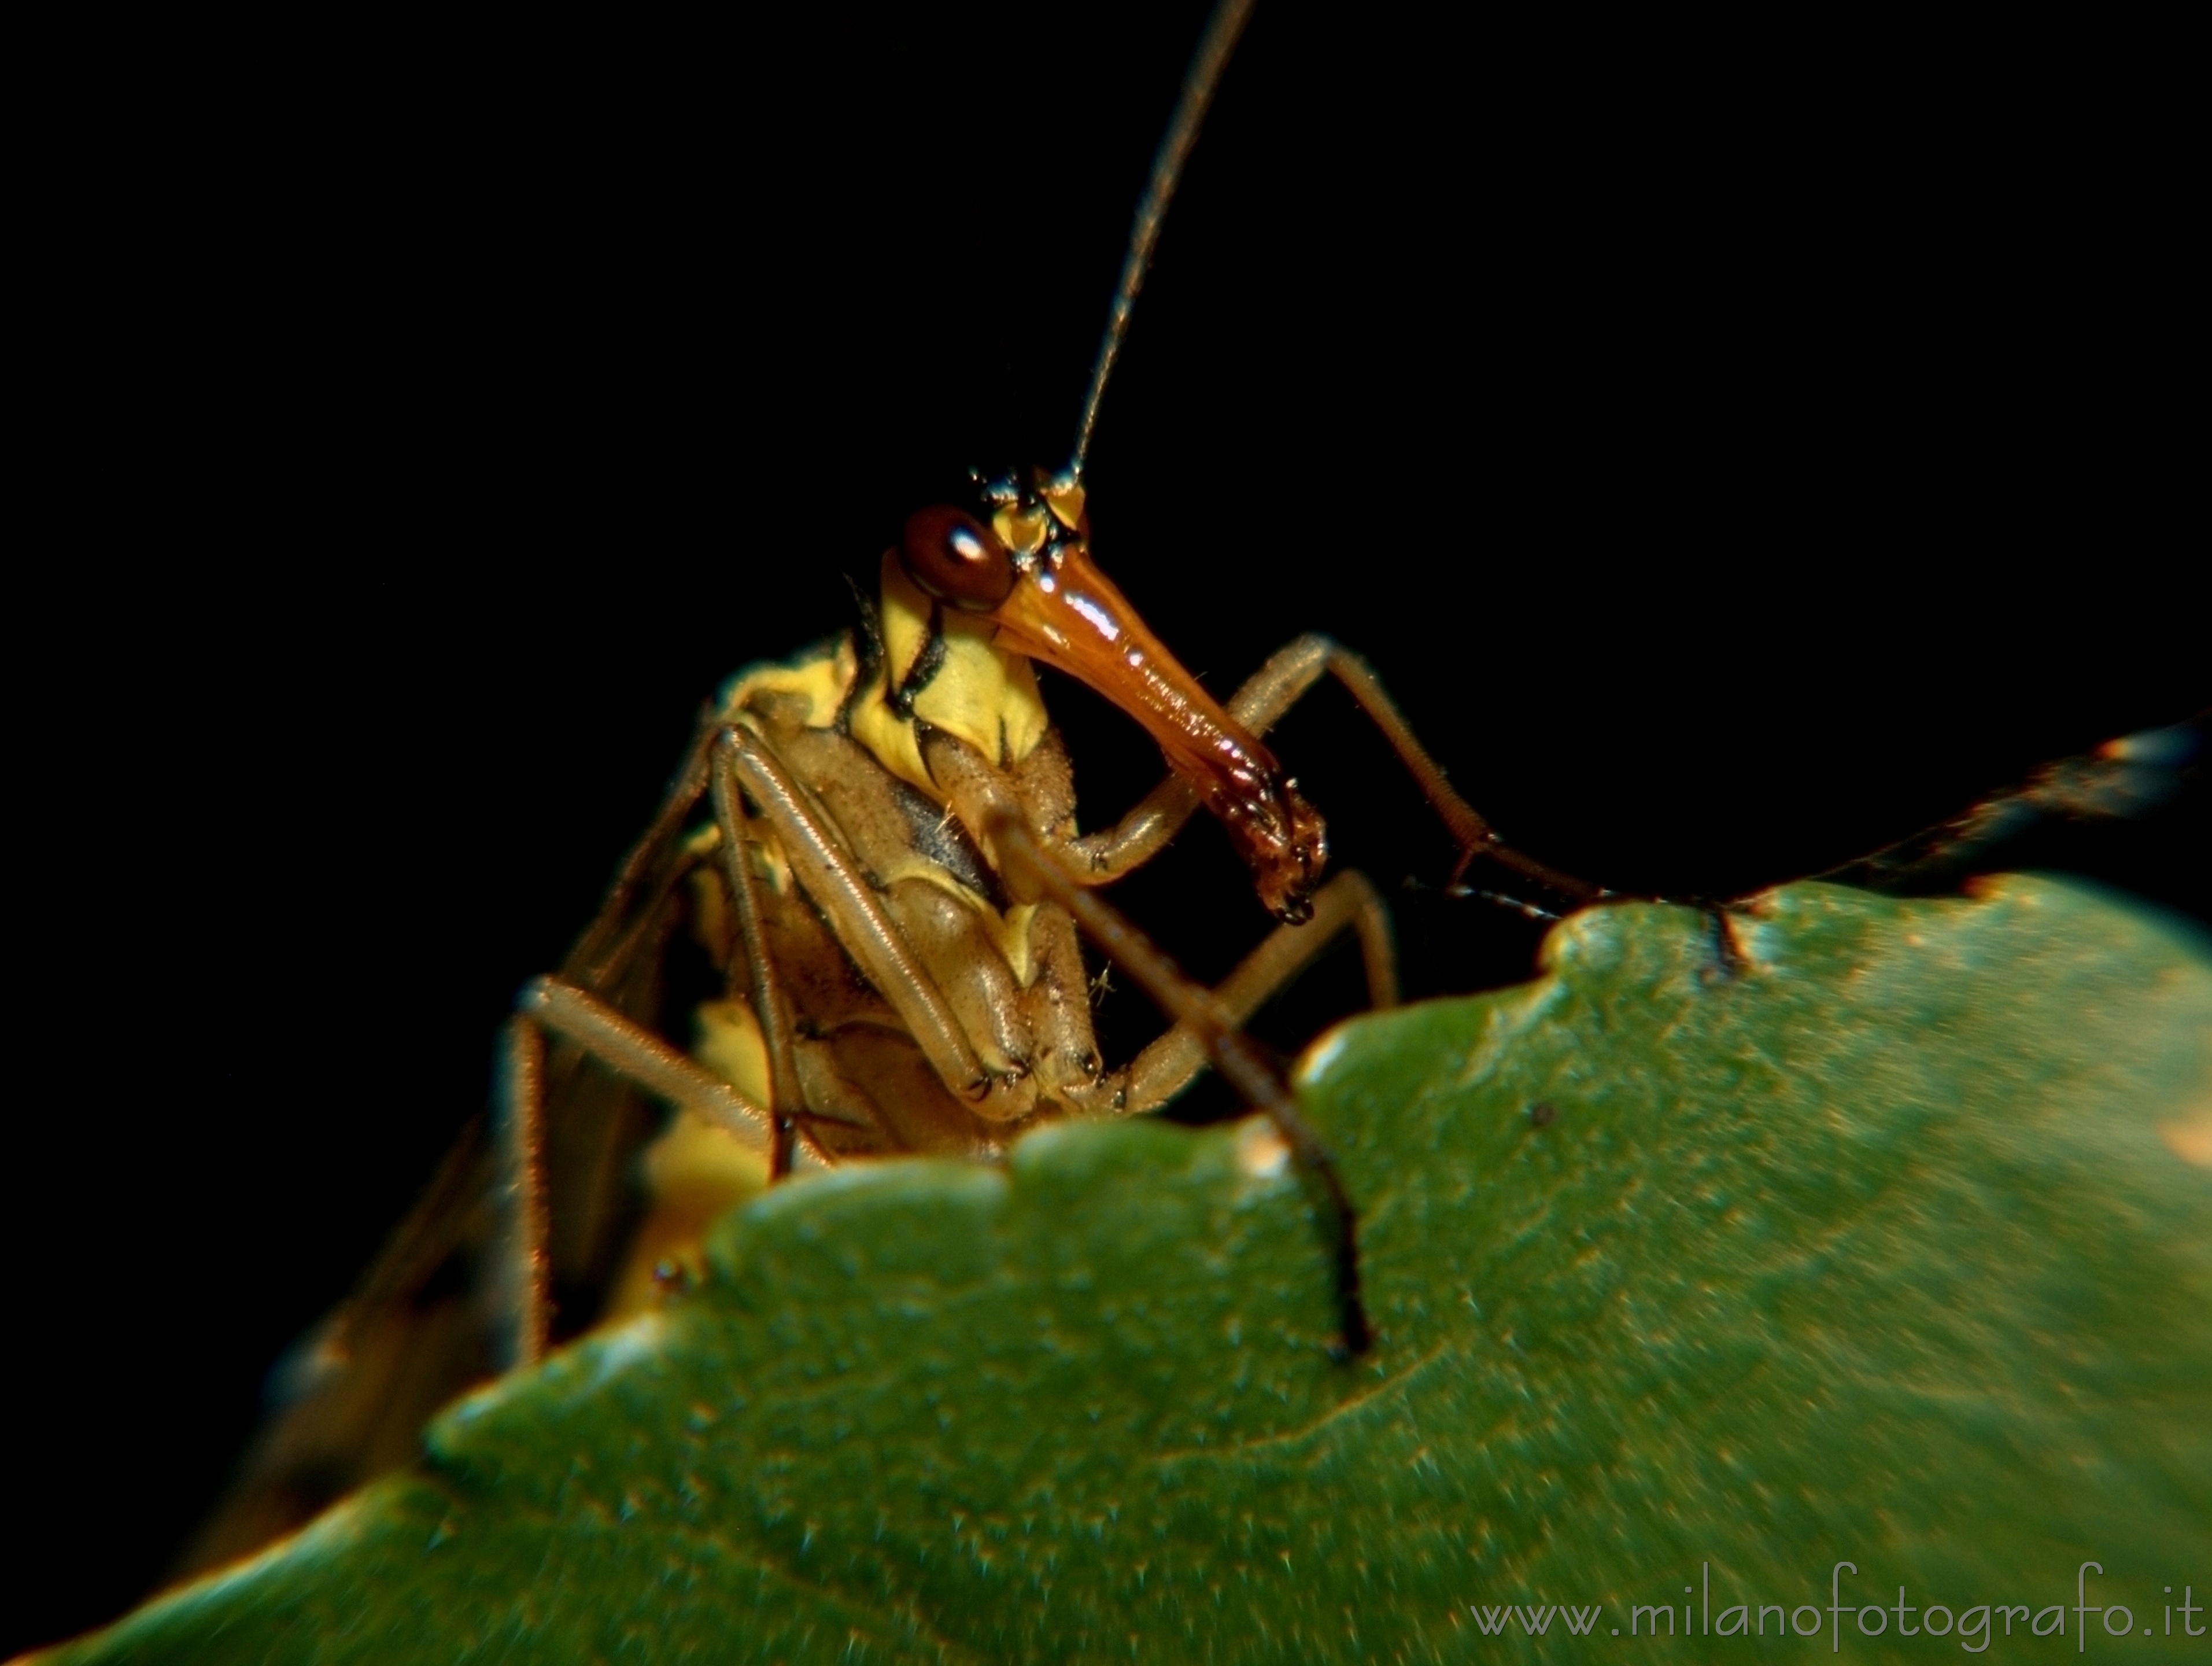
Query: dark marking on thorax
x,y
927,664
938,836
871,655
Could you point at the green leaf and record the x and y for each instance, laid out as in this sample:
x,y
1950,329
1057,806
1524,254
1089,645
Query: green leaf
x,y
1892,1246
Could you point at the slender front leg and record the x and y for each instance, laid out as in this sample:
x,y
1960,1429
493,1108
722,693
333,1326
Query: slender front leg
x,y
526,1301
631,1052
1165,1068
635,1052
785,1097
1241,1061
1104,857
1269,693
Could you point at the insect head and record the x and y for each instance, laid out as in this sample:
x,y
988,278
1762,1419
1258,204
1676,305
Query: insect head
x,y
1023,566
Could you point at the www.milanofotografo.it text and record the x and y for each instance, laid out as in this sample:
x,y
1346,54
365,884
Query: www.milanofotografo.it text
x,y
1862,1613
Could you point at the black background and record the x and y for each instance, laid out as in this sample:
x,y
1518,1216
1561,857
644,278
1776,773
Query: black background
x,y
1734,451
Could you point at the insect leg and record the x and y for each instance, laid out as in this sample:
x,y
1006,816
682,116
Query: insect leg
x,y
1259,704
1294,669
526,1299
770,1009
1241,1061
635,1053
1104,857
879,948
1165,1068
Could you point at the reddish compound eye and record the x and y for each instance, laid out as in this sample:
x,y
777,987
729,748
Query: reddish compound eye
x,y
957,558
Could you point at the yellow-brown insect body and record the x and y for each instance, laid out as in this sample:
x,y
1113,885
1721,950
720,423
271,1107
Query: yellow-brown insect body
x,y
1012,971
890,784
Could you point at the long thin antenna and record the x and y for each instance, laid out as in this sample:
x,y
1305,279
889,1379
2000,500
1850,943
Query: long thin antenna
x,y
1198,86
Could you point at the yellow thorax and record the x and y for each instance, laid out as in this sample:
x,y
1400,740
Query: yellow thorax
x,y
980,693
